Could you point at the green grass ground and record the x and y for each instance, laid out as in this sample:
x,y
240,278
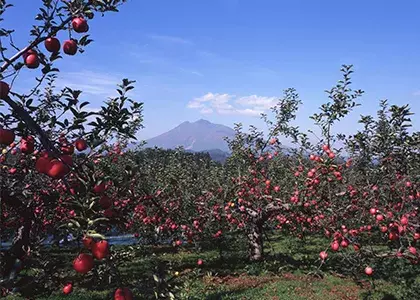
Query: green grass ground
x,y
289,272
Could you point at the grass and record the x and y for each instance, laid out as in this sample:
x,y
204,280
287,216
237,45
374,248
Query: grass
x,y
289,272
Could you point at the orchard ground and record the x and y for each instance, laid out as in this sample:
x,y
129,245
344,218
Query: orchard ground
x,y
288,272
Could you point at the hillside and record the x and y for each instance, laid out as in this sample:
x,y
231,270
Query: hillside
x,y
198,136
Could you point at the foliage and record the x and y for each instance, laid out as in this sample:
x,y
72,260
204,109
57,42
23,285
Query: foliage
x,y
360,193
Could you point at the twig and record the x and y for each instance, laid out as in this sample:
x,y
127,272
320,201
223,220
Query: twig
x,y
36,42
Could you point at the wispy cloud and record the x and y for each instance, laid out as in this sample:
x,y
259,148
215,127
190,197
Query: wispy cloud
x,y
193,72
170,39
227,104
93,83
416,93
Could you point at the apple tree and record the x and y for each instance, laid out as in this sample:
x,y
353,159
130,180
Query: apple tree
x,y
50,182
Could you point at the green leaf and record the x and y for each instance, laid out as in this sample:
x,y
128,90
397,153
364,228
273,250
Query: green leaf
x,y
91,204
84,104
75,223
95,235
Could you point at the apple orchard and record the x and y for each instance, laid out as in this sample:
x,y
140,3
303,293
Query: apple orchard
x,y
61,175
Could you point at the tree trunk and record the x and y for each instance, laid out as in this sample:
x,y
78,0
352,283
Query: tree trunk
x,y
255,241
20,243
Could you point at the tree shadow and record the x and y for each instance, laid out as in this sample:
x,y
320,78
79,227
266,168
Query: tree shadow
x,y
389,297
222,295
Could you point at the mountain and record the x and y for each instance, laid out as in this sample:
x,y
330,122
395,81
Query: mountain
x,y
199,136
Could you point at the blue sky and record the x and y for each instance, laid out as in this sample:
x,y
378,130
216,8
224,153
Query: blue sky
x,y
227,60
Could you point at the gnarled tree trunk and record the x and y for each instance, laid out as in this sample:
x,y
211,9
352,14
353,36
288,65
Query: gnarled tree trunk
x,y
255,240
20,243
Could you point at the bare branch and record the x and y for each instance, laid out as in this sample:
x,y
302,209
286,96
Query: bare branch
x,y
36,129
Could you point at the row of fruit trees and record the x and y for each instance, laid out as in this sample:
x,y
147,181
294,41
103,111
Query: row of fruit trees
x,y
61,175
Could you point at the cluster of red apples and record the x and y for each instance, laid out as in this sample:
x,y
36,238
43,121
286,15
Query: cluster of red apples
x,y
52,44
55,168
85,262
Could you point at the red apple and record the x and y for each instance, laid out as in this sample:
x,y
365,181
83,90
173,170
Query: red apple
x,y
81,145
105,202
368,271
393,236
323,255
27,145
99,188
344,243
67,289
123,294
52,44
4,90
80,25
200,262
70,47
412,250
83,263
67,149
6,136
88,242
32,61
27,53
335,246
57,169
100,249
384,229
43,165
109,213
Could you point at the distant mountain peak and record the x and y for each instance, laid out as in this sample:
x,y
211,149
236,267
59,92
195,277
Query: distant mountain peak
x,y
200,135
202,121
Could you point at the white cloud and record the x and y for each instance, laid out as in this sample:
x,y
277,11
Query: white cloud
x,y
416,93
227,104
206,110
195,104
250,112
257,101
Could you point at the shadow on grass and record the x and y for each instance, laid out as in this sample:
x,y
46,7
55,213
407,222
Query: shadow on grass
x,y
282,255
218,295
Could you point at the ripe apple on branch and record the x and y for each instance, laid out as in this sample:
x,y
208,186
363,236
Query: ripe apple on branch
x,y
48,155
